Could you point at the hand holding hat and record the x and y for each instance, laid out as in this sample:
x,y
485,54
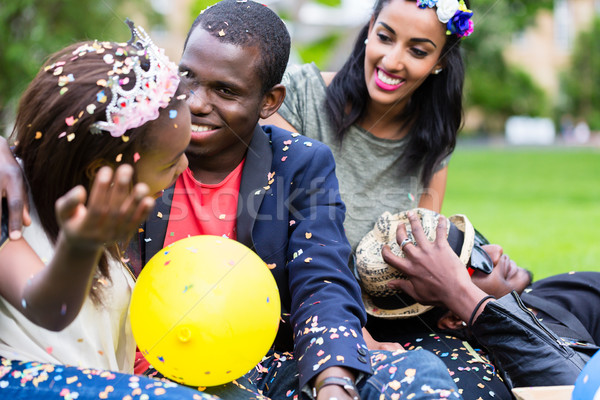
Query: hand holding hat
x,y
433,273
391,302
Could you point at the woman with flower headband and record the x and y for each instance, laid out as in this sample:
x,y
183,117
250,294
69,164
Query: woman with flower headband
x,y
391,116
392,113
100,132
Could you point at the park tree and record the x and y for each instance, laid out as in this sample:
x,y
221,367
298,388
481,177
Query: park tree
x,y
495,87
33,29
580,83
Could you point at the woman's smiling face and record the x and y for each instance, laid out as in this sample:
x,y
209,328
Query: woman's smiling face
x,y
404,47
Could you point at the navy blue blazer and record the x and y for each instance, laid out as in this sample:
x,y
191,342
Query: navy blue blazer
x,y
291,214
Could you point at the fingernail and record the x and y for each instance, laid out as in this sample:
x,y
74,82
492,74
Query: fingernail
x,y
15,235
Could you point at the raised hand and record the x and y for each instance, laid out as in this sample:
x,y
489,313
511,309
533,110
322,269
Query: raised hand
x,y
114,209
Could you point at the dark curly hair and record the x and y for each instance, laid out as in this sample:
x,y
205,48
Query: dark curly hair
x,y
248,23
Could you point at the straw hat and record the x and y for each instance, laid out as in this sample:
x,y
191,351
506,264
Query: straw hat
x,y
374,273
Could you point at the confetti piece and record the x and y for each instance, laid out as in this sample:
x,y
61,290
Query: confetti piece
x,y
308,259
119,157
292,222
63,91
125,138
49,349
283,159
101,82
101,97
90,108
58,71
38,135
287,142
222,216
70,121
286,148
71,379
63,309
271,266
136,157
308,144
308,235
108,58
221,32
159,214
172,114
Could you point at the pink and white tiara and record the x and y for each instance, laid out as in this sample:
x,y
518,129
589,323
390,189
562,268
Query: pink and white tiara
x,y
156,81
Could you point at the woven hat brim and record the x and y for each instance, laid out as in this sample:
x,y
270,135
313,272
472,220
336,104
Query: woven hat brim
x,y
383,272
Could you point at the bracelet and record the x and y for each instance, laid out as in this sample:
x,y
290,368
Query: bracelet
x,y
346,383
477,308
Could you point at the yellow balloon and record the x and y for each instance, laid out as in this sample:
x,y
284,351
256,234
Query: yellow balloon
x,y
205,310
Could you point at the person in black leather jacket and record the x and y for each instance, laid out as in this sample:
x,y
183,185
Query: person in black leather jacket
x,y
527,351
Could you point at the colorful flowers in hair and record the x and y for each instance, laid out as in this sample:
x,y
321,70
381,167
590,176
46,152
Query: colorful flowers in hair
x,y
453,13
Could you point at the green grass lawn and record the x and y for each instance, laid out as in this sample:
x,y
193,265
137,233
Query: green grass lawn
x,y
542,205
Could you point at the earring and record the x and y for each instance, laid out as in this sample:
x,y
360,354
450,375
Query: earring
x,y
366,40
437,71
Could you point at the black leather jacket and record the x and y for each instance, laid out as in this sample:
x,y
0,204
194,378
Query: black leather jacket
x,y
527,352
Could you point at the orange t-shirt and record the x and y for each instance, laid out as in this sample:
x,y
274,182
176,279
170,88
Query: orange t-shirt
x,y
201,209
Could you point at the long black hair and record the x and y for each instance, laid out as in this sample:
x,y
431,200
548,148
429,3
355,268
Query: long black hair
x,y
434,113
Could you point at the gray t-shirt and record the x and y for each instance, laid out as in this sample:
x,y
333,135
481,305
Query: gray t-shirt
x,y
366,166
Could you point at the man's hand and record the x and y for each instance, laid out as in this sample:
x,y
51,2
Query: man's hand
x,y
373,344
435,275
12,187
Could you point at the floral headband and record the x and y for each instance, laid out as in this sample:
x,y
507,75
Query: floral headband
x,y
453,13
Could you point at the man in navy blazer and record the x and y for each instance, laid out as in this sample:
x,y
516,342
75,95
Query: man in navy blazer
x,y
288,210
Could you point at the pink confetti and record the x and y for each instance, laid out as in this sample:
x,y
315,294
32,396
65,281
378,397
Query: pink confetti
x,y
136,157
70,121
283,158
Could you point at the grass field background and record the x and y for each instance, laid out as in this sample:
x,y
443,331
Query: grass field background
x,y
541,204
